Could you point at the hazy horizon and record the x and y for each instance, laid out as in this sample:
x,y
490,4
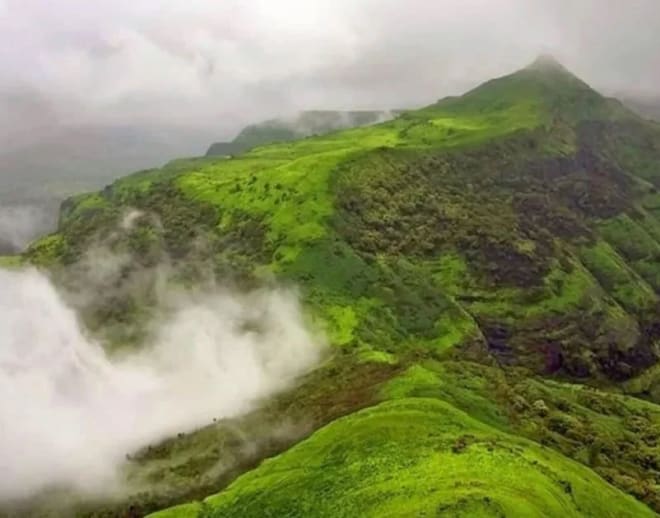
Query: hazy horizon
x,y
220,66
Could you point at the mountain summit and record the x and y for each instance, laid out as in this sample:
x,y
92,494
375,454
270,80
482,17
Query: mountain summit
x,y
457,257
545,90
547,68
547,62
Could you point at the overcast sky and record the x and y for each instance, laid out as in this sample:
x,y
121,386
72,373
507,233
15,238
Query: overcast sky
x,y
221,63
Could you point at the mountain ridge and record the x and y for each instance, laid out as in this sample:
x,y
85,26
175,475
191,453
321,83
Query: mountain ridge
x,y
305,124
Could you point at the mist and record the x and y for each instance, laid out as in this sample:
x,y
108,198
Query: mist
x,y
21,223
69,413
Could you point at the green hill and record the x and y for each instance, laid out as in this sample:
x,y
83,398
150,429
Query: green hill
x,y
305,124
467,252
416,457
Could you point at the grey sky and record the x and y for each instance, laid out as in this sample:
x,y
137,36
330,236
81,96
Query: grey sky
x,y
222,63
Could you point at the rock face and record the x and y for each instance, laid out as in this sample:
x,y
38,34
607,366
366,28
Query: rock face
x,y
468,251
305,124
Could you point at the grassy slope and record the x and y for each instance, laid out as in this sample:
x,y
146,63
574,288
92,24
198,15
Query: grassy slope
x,y
614,435
488,226
416,457
305,124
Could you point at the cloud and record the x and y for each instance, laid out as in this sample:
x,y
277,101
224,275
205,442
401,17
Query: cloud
x,y
20,224
225,63
69,414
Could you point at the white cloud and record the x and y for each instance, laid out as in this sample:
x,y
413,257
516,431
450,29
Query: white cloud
x,y
203,61
69,414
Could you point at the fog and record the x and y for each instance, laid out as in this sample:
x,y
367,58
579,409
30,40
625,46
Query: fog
x,y
21,223
69,414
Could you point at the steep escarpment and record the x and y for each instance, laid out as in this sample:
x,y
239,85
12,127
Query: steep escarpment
x,y
513,232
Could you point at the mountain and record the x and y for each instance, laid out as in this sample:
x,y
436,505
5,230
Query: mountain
x,y
487,270
305,124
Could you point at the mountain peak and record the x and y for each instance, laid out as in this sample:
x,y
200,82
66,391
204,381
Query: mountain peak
x,y
547,69
545,84
547,63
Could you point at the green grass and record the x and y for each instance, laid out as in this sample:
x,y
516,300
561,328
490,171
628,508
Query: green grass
x,y
306,124
637,242
47,250
417,457
630,238
467,386
617,277
613,434
82,205
368,355
646,384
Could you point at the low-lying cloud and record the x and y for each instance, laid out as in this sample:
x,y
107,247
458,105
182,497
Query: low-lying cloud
x,y
21,223
69,413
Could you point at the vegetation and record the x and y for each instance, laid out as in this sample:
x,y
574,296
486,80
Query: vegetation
x,y
305,124
416,457
487,270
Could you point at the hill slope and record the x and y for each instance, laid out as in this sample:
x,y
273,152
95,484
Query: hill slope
x,y
416,457
305,124
517,226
